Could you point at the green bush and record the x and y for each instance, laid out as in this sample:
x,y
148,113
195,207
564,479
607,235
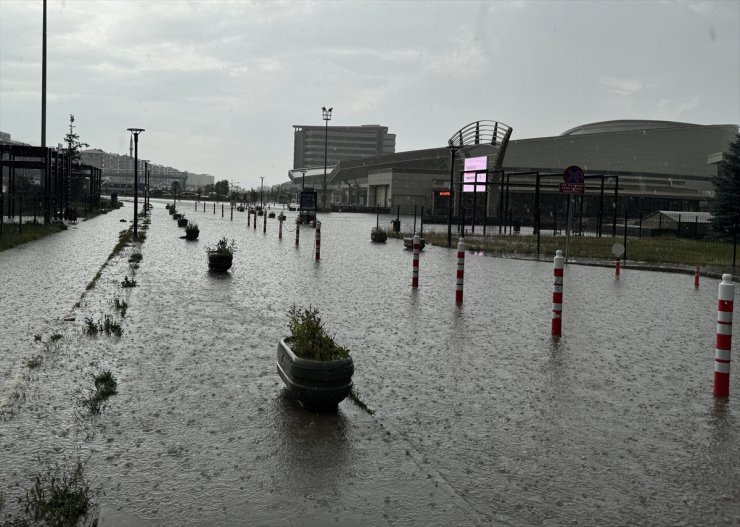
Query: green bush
x,y
309,340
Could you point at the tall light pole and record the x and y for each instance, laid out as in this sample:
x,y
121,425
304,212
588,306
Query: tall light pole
x,y
135,132
146,186
326,115
262,186
43,81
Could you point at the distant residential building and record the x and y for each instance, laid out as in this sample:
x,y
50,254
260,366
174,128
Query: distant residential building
x,y
118,172
199,180
341,143
6,140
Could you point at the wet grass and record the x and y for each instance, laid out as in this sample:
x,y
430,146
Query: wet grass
x,y
108,326
34,362
659,250
38,359
125,238
29,232
95,279
120,305
91,326
105,386
359,402
58,497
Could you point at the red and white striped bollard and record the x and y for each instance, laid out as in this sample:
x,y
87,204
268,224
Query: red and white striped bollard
x,y
415,268
460,270
557,293
616,268
318,240
725,299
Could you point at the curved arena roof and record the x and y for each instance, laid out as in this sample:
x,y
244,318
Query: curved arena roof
x,y
623,125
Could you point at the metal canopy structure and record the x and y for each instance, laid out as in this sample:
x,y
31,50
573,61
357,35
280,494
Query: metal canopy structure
x,y
488,138
479,138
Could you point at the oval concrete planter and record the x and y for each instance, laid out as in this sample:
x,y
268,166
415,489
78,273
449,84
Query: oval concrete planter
x,y
408,243
220,261
316,384
378,236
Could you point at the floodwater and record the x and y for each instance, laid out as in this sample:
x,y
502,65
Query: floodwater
x,y
481,418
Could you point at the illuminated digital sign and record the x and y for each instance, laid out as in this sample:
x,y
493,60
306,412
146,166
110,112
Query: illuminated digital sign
x,y
471,165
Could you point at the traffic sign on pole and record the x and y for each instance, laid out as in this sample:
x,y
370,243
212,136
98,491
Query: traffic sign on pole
x,y
573,180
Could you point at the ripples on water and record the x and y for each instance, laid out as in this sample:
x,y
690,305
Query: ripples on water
x,y
614,424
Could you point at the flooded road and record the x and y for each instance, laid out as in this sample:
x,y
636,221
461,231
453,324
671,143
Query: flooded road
x,y
480,417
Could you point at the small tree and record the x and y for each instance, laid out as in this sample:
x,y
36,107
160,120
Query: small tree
x,y
73,141
222,187
725,207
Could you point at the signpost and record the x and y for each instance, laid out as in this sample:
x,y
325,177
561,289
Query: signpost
x,y
573,180
309,202
573,183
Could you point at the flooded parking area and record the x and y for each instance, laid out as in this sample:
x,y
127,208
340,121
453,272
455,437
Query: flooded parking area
x,y
480,417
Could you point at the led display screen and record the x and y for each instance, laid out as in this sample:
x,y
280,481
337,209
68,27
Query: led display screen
x,y
469,176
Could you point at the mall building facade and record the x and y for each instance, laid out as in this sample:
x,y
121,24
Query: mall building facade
x,y
650,165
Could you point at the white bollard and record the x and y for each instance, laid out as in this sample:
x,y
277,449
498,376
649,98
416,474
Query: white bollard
x,y
723,346
557,293
460,270
415,273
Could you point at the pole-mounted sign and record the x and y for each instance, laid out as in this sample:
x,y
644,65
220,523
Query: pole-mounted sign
x,y
573,180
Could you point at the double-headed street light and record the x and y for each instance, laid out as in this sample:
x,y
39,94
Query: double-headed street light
x,y
326,115
135,132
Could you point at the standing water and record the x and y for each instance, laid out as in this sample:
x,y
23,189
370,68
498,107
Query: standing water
x,y
480,416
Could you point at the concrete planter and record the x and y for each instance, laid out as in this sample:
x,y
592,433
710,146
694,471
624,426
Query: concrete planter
x,y
191,234
182,222
408,243
316,384
220,261
378,236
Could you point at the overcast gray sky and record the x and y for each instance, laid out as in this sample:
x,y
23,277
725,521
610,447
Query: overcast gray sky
x,y
218,85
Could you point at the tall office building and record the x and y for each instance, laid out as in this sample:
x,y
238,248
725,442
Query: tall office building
x,y
342,143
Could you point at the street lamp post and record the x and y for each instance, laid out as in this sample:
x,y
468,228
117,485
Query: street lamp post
x,y
146,186
135,132
262,187
326,115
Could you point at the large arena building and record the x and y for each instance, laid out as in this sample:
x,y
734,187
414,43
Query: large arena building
x,y
650,165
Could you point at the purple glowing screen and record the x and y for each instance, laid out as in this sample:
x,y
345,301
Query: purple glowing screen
x,y
472,164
